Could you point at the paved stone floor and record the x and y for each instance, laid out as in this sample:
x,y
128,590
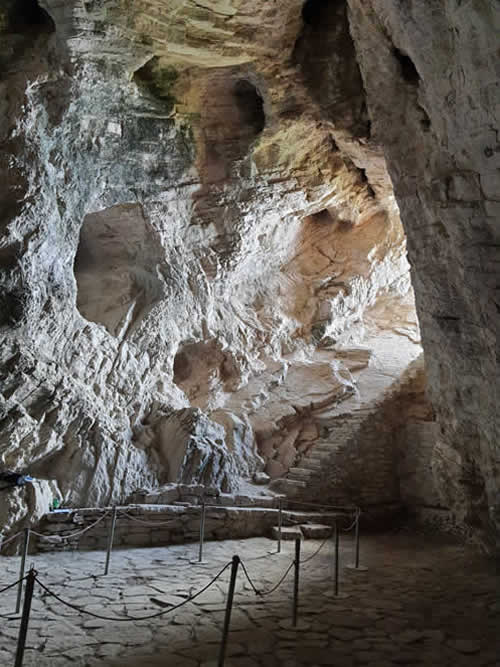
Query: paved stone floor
x,y
423,601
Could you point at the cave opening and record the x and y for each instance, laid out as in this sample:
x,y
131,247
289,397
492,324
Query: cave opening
x,y
407,67
157,80
325,54
115,268
250,105
28,16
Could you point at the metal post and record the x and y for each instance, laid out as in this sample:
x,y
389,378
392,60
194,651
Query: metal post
x,y
337,533
280,523
22,568
296,582
229,607
356,561
202,532
356,566
23,629
110,541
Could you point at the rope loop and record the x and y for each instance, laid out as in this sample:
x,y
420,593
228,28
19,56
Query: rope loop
x,y
12,585
57,538
259,592
10,539
132,618
309,558
151,524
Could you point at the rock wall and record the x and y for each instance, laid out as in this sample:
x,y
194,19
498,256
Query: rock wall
x,y
431,76
198,227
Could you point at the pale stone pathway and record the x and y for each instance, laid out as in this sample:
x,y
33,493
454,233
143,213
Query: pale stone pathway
x,y
422,602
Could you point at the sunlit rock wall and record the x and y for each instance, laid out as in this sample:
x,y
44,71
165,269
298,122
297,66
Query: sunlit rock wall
x,y
200,240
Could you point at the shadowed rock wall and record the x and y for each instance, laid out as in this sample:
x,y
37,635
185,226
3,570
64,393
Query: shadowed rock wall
x,y
431,76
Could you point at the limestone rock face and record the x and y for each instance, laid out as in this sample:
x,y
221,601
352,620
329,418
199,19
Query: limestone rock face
x,y
431,76
202,258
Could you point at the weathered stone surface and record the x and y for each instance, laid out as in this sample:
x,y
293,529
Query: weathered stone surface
x,y
315,531
261,478
203,269
446,118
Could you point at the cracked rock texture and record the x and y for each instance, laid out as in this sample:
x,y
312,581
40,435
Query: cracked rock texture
x,y
437,63
202,257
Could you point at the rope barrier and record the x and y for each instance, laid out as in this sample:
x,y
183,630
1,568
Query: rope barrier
x,y
58,538
12,585
10,539
309,558
332,507
346,530
271,590
133,618
151,524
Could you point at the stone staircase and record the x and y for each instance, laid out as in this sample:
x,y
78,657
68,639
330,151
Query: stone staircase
x,y
342,430
350,427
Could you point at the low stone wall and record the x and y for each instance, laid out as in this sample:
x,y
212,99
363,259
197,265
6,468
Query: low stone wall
x,y
151,525
162,525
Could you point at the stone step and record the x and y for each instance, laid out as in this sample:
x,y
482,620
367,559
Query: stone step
x,y
287,533
314,465
326,448
297,483
319,456
300,473
316,531
311,516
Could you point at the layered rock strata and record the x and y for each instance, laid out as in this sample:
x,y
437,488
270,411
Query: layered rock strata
x,y
199,233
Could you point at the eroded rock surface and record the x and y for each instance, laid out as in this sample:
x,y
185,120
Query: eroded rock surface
x,y
437,66
202,256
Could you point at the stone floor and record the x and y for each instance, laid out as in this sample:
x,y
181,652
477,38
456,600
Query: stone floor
x,y
422,602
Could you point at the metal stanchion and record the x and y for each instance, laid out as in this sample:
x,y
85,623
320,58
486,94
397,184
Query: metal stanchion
x,y
110,540
23,629
229,607
202,532
22,568
337,537
337,564
280,523
356,560
296,582
356,565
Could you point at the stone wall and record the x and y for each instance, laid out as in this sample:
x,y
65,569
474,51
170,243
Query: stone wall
x,y
176,524
180,223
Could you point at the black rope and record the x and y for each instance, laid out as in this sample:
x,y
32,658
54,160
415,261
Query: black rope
x,y
71,536
306,560
346,530
280,581
12,585
10,539
274,588
150,524
340,508
133,618
255,589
